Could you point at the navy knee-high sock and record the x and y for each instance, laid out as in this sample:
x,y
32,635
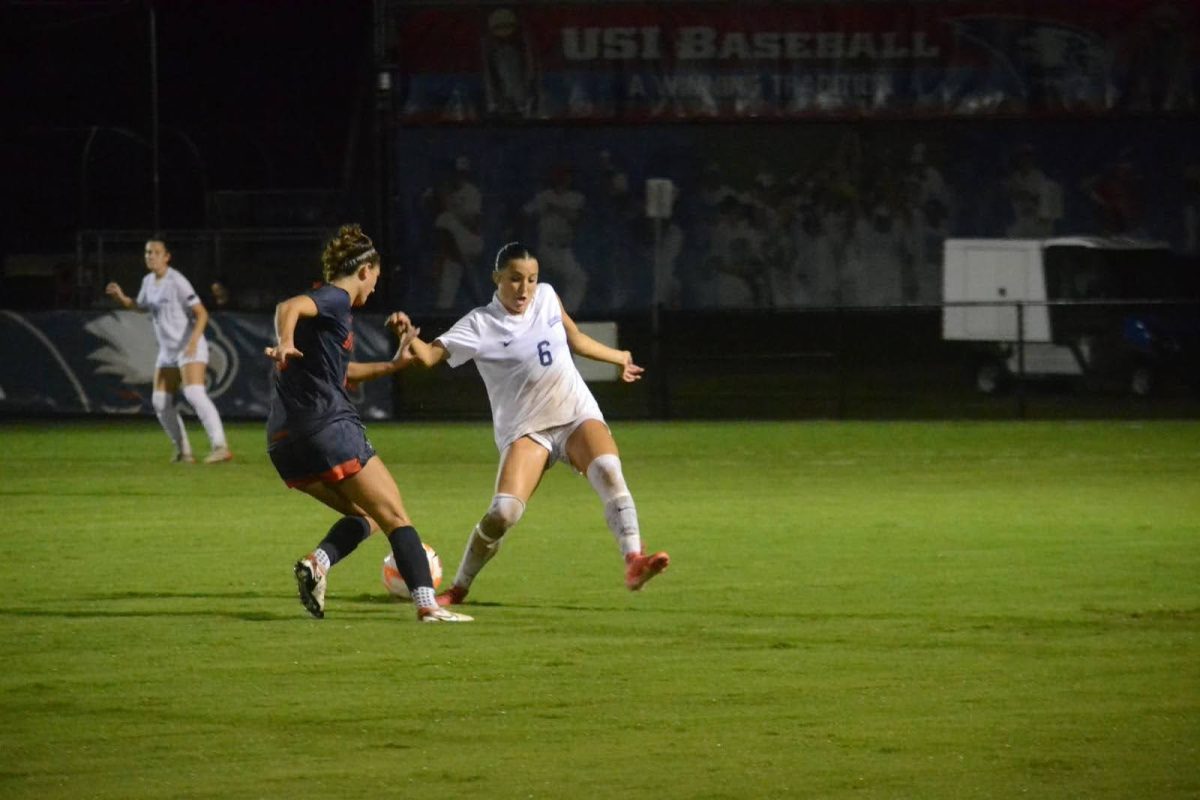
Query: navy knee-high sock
x,y
345,535
410,557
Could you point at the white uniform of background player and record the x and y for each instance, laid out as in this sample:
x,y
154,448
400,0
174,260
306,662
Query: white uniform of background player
x,y
179,319
542,410
169,300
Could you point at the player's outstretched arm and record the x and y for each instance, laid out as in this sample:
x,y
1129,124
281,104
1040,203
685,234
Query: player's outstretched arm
x,y
401,325
113,290
287,314
584,345
426,354
412,346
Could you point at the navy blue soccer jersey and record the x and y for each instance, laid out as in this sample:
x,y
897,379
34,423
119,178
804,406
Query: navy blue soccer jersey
x,y
310,392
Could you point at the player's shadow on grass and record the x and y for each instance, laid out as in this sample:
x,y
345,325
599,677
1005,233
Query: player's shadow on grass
x,y
111,606
98,613
384,600
373,599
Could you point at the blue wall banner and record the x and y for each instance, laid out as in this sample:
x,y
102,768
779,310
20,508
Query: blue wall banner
x,y
68,362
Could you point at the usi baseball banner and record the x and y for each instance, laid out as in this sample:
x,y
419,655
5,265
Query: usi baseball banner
x,y
732,61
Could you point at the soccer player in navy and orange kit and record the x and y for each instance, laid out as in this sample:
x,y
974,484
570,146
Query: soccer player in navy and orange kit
x,y
315,437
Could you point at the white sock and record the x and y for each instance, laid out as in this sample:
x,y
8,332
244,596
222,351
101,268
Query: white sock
x,y
472,561
604,473
172,423
322,559
423,597
207,412
621,516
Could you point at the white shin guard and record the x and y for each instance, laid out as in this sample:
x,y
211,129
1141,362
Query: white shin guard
x,y
504,512
604,473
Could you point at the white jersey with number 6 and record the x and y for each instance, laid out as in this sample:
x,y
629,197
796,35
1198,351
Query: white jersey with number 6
x,y
526,365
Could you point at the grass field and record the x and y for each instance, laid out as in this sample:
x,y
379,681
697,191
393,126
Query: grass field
x,y
900,610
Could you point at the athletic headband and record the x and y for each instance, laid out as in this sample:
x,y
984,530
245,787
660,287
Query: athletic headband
x,y
501,250
361,258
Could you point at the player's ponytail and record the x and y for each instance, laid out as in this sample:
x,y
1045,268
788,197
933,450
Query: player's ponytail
x,y
347,251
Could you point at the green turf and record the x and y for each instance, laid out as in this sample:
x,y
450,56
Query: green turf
x,y
901,610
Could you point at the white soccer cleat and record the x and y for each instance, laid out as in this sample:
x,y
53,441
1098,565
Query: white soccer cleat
x,y
310,581
218,455
440,614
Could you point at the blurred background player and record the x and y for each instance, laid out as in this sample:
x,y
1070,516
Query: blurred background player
x,y
542,411
315,437
179,322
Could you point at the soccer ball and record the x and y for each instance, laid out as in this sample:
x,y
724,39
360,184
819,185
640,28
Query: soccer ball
x,y
393,581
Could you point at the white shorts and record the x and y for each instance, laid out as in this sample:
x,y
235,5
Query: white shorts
x,y
175,357
555,440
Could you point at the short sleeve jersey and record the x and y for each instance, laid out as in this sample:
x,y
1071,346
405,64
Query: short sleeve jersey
x,y
526,365
309,393
169,300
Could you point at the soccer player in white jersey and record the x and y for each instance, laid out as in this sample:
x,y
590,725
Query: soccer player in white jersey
x,y
542,411
179,321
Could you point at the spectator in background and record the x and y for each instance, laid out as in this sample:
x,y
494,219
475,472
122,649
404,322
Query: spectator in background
x,y
736,251
457,236
806,233
1115,194
1161,54
616,224
511,77
1036,200
926,236
179,320
770,217
557,212
840,255
221,296
881,258
713,191
661,253
711,287
1191,211
924,182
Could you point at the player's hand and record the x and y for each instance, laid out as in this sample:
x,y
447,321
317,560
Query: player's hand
x,y
404,356
113,290
398,322
190,352
281,353
406,339
630,371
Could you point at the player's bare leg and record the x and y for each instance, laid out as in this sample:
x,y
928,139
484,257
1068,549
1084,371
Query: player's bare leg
x,y
374,490
521,470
